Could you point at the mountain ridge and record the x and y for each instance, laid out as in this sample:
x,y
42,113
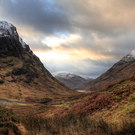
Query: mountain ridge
x,y
119,71
71,80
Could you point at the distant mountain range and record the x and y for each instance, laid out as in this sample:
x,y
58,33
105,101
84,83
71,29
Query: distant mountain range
x,y
86,77
72,80
119,71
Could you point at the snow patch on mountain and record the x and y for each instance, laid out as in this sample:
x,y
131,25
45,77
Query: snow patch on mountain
x,y
23,43
86,77
71,80
129,57
63,74
8,29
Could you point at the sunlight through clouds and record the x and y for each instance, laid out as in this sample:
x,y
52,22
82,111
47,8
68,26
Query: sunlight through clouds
x,y
54,41
51,55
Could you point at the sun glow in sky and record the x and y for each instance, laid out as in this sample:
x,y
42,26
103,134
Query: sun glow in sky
x,y
62,50
54,41
51,55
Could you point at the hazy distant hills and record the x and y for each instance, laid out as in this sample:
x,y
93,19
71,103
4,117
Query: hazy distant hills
x,y
86,77
71,80
119,71
22,74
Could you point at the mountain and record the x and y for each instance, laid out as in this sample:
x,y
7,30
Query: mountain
x,y
70,80
119,71
22,74
86,77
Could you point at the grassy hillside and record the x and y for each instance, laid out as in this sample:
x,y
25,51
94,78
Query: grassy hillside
x,y
23,76
122,92
116,73
26,79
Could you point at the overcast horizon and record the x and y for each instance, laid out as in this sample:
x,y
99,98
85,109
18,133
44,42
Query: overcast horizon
x,y
83,37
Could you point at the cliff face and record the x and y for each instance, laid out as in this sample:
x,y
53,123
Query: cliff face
x,y
119,71
22,74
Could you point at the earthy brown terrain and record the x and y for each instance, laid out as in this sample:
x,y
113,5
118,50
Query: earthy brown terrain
x,y
23,76
108,112
106,98
121,70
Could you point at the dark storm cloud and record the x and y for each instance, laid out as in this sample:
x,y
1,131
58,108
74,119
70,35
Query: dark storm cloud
x,y
101,63
107,18
42,15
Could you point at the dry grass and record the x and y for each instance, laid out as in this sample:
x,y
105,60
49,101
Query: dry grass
x,y
72,124
8,122
75,125
109,112
98,101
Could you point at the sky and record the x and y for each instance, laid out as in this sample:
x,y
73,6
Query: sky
x,y
85,37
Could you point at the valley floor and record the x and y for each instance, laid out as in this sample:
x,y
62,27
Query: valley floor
x,y
108,112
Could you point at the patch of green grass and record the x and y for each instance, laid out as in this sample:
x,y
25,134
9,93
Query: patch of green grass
x,y
122,110
118,86
117,96
132,98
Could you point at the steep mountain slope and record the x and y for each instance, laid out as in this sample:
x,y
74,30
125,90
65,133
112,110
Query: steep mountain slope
x,y
22,75
119,71
70,80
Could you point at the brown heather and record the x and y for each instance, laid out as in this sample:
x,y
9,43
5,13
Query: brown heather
x,y
109,112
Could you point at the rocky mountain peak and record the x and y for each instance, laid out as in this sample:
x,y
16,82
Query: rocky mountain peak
x,y
129,57
71,80
63,74
9,30
10,41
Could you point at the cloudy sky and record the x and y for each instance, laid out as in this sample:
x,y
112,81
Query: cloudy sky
x,y
82,36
